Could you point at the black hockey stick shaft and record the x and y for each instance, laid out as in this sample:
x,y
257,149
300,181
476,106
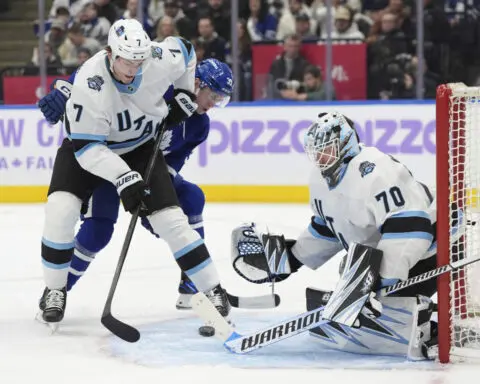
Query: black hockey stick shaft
x,y
117,327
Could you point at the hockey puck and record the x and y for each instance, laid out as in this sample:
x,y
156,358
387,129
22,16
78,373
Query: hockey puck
x,y
206,331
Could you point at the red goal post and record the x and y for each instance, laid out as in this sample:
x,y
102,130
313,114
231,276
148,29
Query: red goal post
x,y
458,219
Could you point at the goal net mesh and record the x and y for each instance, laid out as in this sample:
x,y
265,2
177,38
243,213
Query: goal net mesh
x,y
464,181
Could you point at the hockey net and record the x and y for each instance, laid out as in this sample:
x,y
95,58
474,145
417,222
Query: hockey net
x,y
458,219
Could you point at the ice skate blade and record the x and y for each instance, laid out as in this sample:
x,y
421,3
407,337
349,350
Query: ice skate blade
x,y
39,317
52,326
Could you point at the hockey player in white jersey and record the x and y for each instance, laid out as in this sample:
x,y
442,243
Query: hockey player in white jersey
x,y
368,204
115,111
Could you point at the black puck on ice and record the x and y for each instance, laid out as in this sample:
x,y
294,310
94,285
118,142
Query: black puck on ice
x,y
206,331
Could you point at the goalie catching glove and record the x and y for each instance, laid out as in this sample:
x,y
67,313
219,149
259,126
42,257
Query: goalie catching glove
x,y
262,257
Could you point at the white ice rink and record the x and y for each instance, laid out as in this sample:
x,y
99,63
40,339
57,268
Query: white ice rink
x,y
170,349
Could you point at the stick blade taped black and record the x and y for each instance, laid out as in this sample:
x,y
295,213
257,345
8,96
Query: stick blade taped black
x,y
120,329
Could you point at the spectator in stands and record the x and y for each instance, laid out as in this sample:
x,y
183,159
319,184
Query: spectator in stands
x,y
108,10
402,76
286,25
57,33
92,25
183,24
156,10
344,26
76,40
384,62
73,6
311,89
199,50
403,19
215,46
219,13
121,4
63,14
54,64
288,66
261,24
165,27
83,54
190,9
302,28
245,59
131,13
430,79
437,34
321,13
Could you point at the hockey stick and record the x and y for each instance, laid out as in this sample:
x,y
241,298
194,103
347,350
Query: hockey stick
x,y
254,302
127,332
117,327
241,344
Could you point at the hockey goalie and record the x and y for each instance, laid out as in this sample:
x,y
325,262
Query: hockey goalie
x,y
369,207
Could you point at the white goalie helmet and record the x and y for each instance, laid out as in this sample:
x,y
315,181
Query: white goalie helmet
x,y
128,40
330,140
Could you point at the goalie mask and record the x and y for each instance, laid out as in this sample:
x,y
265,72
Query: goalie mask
x,y
330,143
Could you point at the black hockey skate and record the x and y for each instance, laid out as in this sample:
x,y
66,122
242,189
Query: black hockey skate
x,y
52,305
218,297
186,289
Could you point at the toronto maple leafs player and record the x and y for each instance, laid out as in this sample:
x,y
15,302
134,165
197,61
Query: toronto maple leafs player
x,y
369,205
213,87
115,110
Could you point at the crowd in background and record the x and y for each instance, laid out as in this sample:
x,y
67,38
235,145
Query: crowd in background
x,y
77,29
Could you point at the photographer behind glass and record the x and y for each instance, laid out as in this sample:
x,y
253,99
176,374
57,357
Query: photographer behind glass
x,y
289,65
312,87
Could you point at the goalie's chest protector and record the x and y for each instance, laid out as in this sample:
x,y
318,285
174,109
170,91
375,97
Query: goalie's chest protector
x,y
347,208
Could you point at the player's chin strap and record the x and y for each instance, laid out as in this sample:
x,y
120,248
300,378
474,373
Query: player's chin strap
x,y
238,343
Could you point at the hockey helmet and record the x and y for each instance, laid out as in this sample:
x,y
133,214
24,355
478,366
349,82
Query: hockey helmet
x,y
218,77
128,39
331,140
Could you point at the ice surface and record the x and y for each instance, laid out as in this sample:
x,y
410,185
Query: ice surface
x,y
170,349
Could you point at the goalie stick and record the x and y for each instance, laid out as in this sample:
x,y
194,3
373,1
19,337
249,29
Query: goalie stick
x,y
241,344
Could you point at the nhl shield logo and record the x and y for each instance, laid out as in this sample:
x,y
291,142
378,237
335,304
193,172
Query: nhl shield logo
x,y
120,31
157,53
95,83
365,168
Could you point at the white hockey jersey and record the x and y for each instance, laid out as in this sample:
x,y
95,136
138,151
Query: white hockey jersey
x,y
377,203
106,118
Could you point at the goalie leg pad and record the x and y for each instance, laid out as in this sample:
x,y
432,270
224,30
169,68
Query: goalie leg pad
x,y
403,329
355,286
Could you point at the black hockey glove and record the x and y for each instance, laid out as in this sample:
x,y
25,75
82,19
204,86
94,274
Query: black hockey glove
x,y
181,107
133,191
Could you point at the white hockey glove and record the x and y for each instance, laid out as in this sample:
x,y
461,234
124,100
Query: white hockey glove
x,y
261,257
